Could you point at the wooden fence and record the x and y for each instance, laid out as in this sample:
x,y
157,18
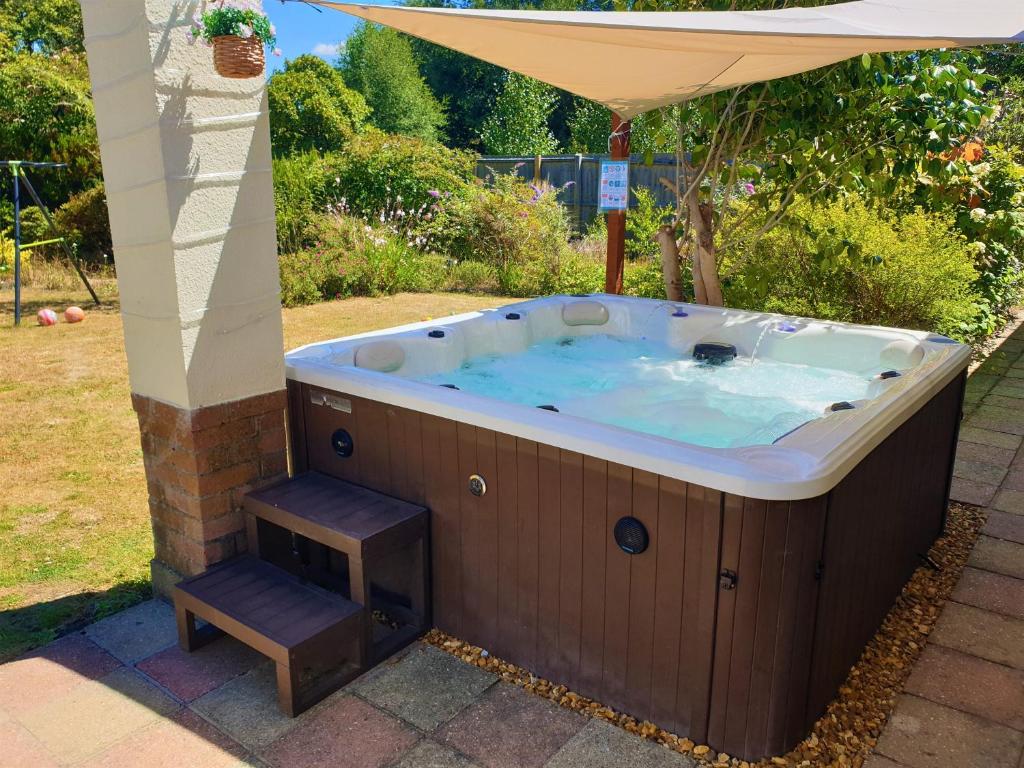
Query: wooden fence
x,y
581,197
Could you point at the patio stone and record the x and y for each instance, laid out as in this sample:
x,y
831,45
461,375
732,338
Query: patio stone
x,y
510,728
881,761
989,437
1014,480
1010,387
923,734
190,675
602,745
1009,501
430,754
426,687
984,419
981,382
246,708
991,591
1005,400
970,492
986,454
185,739
979,472
346,732
981,633
52,671
97,714
136,633
21,749
969,684
1004,525
998,556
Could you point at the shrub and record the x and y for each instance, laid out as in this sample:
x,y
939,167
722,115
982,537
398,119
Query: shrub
x,y
846,261
520,229
84,221
301,192
642,277
642,224
471,276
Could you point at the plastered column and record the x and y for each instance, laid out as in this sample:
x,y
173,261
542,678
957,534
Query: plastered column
x,y
186,164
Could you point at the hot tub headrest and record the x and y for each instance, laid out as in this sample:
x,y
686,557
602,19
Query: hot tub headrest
x,y
383,356
585,313
902,354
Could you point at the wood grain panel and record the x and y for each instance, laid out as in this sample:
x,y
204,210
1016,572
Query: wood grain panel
x,y
616,590
570,582
643,574
549,540
595,553
506,643
528,557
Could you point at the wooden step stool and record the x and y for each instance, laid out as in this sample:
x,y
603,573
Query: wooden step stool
x,y
368,528
319,639
313,635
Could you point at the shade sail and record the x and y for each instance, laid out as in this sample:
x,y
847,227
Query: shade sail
x,y
635,62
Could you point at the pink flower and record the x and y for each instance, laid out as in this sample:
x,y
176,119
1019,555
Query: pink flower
x,y
749,188
244,30
276,52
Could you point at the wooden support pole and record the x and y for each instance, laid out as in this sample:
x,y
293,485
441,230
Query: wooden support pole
x,y
619,147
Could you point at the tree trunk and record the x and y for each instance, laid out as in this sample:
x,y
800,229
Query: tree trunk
x,y
666,240
704,258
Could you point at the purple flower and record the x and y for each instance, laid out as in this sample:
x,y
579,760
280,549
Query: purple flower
x,y
537,193
433,193
749,188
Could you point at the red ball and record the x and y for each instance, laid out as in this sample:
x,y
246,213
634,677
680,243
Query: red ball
x,y
74,314
46,317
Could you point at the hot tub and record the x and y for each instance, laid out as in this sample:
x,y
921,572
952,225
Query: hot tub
x,y
696,515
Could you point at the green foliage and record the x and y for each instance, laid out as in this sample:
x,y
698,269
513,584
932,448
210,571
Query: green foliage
x,y
518,124
351,258
84,221
242,18
42,26
848,261
311,108
1009,126
46,115
379,63
642,224
377,169
643,278
590,124
301,192
518,228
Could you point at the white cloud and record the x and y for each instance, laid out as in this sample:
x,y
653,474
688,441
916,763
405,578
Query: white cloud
x,y
326,50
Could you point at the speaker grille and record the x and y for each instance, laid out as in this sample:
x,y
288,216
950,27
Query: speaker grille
x,y
631,536
341,442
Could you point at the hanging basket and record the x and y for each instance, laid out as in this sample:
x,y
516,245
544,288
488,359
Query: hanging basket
x,y
238,57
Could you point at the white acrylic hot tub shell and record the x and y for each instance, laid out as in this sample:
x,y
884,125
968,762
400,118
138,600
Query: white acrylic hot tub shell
x,y
804,464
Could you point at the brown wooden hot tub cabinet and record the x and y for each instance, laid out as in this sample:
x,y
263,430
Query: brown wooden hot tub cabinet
x,y
735,627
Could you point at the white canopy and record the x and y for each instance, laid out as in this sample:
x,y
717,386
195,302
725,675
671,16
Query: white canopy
x,y
635,62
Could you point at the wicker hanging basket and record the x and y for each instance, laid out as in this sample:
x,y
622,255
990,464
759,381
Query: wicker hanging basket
x,y
238,57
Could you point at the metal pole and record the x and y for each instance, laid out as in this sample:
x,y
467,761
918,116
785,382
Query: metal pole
x,y
17,244
617,219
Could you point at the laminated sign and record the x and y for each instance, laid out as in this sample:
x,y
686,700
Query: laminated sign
x,y
613,194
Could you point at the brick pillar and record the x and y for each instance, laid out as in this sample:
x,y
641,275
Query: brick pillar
x,y
186,163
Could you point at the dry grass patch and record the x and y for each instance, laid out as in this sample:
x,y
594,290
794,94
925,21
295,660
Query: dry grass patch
x,y
75,541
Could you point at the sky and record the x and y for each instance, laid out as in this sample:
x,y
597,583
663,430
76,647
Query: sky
x,y
300,29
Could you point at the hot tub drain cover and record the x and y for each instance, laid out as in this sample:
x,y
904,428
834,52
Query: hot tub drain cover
x,y
631,536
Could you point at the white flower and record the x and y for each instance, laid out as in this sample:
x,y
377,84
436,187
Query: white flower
x,y
276,52
978,214
244,30
982,169
978,247
273,31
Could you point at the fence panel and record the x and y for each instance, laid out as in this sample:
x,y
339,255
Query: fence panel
x,y
581,197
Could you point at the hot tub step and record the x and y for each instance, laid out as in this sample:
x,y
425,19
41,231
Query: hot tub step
x,y
313,635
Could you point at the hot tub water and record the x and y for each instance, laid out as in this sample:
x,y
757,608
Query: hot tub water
x,y
646,386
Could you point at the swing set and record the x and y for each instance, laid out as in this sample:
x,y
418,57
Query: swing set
x,y
17,168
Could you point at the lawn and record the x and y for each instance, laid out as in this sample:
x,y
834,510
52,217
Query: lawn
x,y
74,522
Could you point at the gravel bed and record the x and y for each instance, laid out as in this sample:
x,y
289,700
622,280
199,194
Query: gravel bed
x,y
846,733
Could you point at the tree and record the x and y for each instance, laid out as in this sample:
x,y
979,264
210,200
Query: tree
x,y
518,124
590,123
379,63
312,108
864,125
43,26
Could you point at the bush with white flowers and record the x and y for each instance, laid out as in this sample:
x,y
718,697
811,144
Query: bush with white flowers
x,y
242,18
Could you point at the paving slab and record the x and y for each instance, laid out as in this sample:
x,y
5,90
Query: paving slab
x,y
998,556
969,684
21,749
430,754
979,471
990,437
510,728
991,592
97,714
1014,480
344,732
246,708
923,734
1009,501
136,633
981,633
987,454
47,673
191,675
881,761
1016,400
1004,525
971,492
182,740
425,687
984,419
602,745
